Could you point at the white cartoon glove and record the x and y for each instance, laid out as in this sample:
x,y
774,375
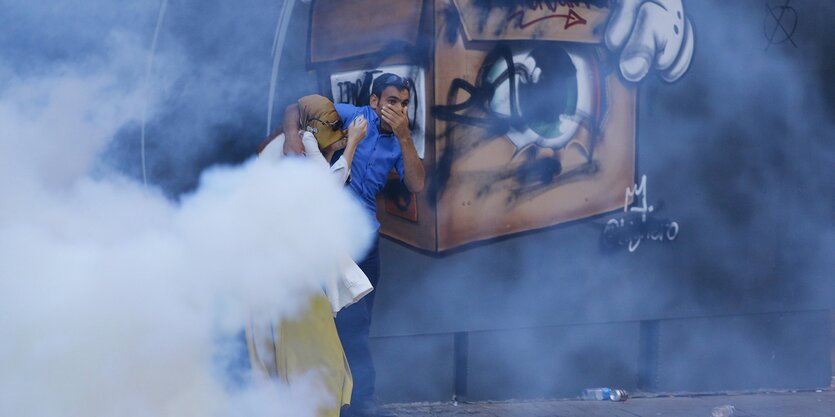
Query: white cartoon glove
x,y
648,32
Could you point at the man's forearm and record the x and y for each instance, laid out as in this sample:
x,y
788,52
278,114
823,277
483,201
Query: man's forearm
x,y
292,141
414,174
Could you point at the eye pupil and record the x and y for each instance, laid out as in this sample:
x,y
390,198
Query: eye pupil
x,y
557,89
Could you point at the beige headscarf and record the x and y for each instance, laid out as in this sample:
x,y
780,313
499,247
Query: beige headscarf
x,y
318,116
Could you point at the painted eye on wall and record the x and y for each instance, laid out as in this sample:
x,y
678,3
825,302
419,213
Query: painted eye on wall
x,y
550,92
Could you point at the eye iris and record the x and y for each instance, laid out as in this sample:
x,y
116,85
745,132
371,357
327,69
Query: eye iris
x,y
554,93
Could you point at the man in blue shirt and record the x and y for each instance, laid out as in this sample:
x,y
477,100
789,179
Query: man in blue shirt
x,y
388,144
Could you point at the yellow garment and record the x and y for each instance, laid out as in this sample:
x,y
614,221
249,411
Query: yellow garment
x,y
295,347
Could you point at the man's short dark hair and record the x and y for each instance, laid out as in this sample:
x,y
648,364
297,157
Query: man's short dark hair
x,y
389,80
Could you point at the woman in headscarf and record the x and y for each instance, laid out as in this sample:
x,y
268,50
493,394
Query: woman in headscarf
x,y
310,343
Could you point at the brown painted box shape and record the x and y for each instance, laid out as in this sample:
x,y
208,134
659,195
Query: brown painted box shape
x,y
549,142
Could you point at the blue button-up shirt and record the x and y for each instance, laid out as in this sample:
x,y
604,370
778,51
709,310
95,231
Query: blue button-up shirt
x,y
376,155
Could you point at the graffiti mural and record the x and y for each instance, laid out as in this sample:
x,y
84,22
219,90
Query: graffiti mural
x,y
525,109
529,138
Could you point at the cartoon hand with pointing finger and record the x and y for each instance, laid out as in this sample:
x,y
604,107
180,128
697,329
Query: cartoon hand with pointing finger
x,y
650,33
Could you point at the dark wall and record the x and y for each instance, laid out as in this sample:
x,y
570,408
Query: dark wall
x,y
739,153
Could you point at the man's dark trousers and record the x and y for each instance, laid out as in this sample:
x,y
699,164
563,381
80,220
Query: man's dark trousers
x,y
353,324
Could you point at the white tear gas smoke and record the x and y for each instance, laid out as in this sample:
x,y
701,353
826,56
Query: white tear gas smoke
x,y
211,74
112,298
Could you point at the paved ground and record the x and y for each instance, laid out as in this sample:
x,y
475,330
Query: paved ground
x,y
773,404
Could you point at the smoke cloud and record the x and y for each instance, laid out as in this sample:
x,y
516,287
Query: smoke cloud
x,y
113,297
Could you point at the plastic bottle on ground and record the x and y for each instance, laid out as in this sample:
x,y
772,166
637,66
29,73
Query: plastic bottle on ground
x,y
596,394
722,411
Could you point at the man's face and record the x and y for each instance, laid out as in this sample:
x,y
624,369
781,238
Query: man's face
x,y
397,100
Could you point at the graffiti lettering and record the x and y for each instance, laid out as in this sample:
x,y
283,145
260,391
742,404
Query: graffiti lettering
x,y
356,92
638,224
788,28
551,5
348,91
500,15
571,19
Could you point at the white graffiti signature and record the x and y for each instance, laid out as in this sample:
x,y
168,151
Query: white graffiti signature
x,y
636,230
